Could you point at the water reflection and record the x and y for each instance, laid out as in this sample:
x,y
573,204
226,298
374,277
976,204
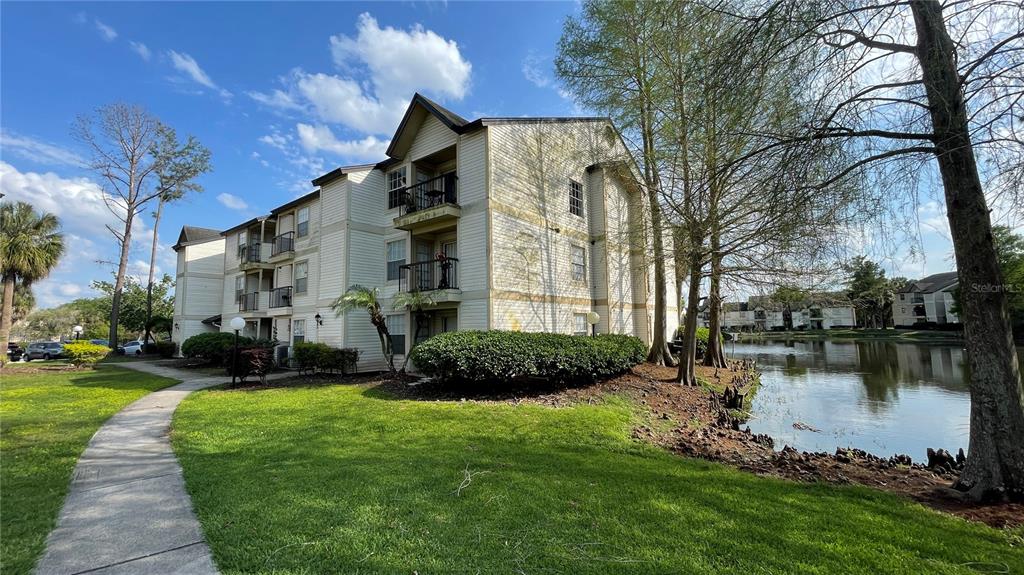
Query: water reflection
x,y
883,397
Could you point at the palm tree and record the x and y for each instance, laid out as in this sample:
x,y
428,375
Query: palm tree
x,y
30,246
416,302
360,297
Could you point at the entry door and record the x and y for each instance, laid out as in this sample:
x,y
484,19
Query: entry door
x,y
421,274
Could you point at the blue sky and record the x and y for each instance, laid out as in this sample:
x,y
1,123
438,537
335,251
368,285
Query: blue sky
x,y
279,92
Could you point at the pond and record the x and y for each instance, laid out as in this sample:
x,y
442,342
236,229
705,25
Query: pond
x,y
880,396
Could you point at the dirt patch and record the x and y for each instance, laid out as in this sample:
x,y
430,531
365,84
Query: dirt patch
x,y
691,421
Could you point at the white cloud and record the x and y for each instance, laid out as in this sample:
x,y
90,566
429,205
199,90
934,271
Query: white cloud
x,y
141,49
232,201
106,32
533,73
84,217
320,137
38,151
275,140
187,64
381,69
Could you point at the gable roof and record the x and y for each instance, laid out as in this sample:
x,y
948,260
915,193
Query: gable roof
x,y
195,235
932,283
342,171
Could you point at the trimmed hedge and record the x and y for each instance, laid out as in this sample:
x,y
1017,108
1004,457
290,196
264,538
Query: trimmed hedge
x,y
506,356
82,353
214,347
322,357
166,349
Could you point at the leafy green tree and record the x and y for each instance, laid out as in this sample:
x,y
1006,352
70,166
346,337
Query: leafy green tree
x,y
869,290
360,297
135,301
30,247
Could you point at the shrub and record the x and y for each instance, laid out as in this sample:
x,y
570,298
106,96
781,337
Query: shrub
x,y
166,349
254,360
322,357
505,356
214,347
81,353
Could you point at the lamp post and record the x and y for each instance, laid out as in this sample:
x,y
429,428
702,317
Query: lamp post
x,y
592,318
78,331
237,324
319,322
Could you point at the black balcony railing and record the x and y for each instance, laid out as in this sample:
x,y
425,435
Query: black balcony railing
x,y
249,253
281,297
283,243
249,301
443,189
436,274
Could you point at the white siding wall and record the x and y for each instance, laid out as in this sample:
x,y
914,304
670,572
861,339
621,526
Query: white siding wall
x,y
432,136
198,290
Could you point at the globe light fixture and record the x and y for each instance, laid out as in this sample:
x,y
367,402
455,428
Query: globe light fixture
x,y
237,324
78,331
592,318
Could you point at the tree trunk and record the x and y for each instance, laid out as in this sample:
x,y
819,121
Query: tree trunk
x,y
688,355
995,458
122,266
7,315
152,266
715,356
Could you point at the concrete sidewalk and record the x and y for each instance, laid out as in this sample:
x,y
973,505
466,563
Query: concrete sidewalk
x,y
127,510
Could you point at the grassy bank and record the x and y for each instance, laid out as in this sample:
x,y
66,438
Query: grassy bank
x,y
47,416
910,335
349,479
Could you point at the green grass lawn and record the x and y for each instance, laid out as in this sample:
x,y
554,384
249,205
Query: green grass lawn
x,y
46,420
344,479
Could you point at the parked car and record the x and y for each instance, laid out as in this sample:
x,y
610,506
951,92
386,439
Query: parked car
x,y
130,348
14,352
44,350
103,342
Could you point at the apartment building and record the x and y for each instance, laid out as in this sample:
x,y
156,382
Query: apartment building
x,y
926,301
762,313
508,223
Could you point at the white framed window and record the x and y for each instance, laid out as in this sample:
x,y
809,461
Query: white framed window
x,y
301,277
239,287
298,331
396,328
395,259
241,244
575,198
579,263
396,185
302,222
579,324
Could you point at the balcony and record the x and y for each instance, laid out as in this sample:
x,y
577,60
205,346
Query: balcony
x,y
248,302
283,247
280,301
430,205
439,276
252,257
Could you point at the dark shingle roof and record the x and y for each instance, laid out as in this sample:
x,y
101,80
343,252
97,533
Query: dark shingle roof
x,y
932,283
193,234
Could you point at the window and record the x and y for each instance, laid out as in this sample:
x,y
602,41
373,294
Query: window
x,y
239,288
579,264
298,331
241,244
302,227
579,324
301,276
396,327
575,198
395,259
396,185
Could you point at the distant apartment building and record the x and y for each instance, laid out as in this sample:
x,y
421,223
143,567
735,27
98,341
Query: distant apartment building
x,y
508,223
761,313
926,301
